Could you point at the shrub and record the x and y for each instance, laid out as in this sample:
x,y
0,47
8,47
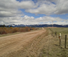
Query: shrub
x,y
5,30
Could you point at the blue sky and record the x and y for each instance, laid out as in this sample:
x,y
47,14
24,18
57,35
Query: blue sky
x,y
63,16
29,12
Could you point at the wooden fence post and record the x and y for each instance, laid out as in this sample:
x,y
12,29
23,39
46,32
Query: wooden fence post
x,y
56,34
65,40
60,39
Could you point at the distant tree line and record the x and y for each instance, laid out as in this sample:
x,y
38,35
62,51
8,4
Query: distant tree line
x,y
5,26
2,25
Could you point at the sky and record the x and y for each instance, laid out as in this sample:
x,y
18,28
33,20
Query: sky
x,y
30,12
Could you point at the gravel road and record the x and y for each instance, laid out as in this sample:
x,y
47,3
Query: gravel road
x,y
16,42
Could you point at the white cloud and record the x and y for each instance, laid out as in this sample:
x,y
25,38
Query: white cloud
x,y
46,7
10,8
27,4
43,9
10,11
27,20
49,7
62,7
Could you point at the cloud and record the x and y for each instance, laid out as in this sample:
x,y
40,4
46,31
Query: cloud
x,y
27,4
10,12
46,7
49,7
62,7
10,8
43,9
27,20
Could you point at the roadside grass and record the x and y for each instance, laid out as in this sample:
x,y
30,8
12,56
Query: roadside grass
x,y
59,51
2,35
13,30
51,47
63,31
45,45
10,34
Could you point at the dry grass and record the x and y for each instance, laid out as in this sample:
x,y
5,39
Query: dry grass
x,y
44,45
56,50
6,30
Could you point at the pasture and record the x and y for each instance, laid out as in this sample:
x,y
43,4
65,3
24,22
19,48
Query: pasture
x,y
56,50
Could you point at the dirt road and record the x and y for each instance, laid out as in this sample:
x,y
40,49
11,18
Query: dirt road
x,y
16,42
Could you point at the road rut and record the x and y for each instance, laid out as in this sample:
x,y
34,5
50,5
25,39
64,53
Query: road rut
x,y
16,42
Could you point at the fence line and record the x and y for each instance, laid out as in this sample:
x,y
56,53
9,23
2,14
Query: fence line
x,y
59,36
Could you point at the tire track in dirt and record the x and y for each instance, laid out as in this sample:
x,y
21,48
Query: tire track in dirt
x,y
15,42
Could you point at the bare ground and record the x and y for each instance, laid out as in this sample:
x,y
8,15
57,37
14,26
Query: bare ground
x,y
14,43
39,43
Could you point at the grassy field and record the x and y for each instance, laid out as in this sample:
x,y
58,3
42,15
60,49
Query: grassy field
x,y
56,50
60,30
63,31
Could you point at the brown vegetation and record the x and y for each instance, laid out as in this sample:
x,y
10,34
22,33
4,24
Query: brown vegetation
x,y
5,30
